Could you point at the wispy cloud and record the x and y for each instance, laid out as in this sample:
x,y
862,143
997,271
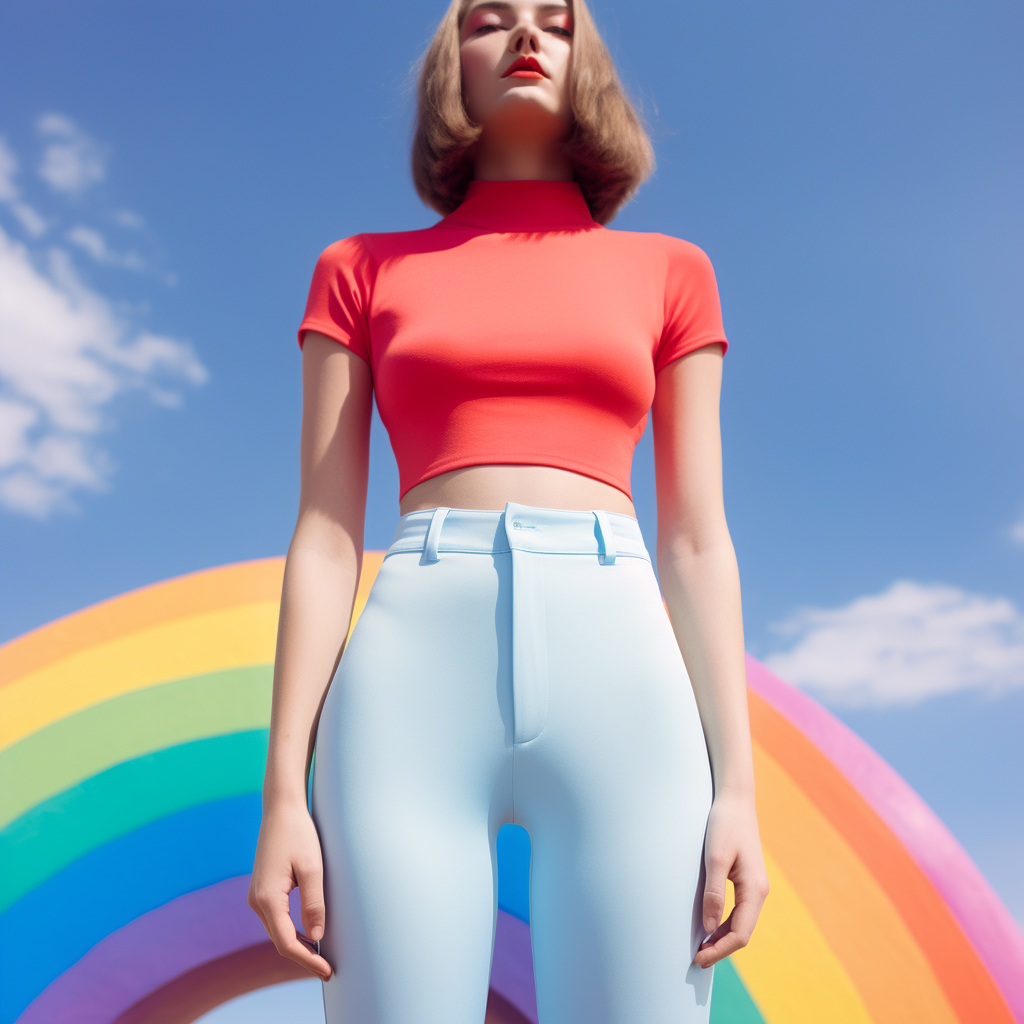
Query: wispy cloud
x,y
72,161
128,219
1017,532
95,244
910,642
31,222
67,351
8,169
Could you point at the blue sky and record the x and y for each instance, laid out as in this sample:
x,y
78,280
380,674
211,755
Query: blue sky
x,y
170,172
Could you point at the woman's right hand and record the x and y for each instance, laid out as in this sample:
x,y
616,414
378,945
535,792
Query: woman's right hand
x,y
288,855
321,576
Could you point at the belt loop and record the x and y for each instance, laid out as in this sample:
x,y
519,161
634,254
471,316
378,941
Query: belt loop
x,y
433,536
605,537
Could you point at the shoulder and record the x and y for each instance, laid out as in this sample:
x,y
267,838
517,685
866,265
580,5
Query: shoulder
x,y
681,254
345,260
677,254
344,254
370,247
688,269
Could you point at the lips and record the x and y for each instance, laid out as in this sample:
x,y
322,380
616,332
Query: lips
x,y
524,67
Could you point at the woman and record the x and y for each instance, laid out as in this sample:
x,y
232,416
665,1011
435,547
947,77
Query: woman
x,y
514,662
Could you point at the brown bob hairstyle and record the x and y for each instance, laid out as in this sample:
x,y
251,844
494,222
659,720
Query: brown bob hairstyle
x,y
607,143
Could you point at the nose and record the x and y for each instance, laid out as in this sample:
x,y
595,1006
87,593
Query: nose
x,y
525,39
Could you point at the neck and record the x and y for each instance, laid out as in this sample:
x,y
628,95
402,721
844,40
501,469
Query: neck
x,y
518,159
522,205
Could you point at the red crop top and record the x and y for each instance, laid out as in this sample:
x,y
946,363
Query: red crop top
x,y
515,330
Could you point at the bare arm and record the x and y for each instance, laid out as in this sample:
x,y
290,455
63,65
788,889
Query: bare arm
x,y
700,581
320,578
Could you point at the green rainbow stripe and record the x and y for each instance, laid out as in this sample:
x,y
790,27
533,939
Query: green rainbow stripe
x,y
74,748
730,1000
121,799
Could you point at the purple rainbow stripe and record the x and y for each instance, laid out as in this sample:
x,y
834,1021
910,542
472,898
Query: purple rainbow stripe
x,y
984,919
512,965
149,952
168,942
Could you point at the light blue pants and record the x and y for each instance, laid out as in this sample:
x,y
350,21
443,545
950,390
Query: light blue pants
x,y
513,666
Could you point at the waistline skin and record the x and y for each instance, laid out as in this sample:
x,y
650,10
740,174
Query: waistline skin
x,y
490,487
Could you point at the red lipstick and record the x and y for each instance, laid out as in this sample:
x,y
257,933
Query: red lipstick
x,y
524,67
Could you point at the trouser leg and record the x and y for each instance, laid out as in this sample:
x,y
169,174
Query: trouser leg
x,y
615,792
412,782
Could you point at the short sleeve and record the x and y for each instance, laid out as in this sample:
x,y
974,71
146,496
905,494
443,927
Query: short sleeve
x,y
338,294
693,312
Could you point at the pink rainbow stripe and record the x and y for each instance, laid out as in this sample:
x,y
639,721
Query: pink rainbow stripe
x,y
984,919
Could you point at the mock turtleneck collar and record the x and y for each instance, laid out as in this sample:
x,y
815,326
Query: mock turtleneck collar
x,y
523,205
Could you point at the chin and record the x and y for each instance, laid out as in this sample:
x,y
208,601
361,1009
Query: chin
x,y
526,104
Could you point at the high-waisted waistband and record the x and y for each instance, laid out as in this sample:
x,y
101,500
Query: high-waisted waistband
x,y
522,528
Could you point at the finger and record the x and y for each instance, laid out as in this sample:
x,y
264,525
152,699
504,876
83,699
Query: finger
x,y
717,945
714,891
311,893
719,932
282,932
735,932
749,901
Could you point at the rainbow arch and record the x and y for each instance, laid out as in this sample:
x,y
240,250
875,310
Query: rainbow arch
x,y
132,743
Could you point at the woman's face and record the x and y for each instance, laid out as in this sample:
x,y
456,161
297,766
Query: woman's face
x,y
515,66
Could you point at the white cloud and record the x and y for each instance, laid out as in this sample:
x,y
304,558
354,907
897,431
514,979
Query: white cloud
x,y
65,355
911,642
72,161
91,241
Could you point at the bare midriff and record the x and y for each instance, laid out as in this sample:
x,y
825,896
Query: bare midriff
x,y
490,487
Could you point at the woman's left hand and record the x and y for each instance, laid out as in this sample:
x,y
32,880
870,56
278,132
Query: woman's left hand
x,y
732,849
